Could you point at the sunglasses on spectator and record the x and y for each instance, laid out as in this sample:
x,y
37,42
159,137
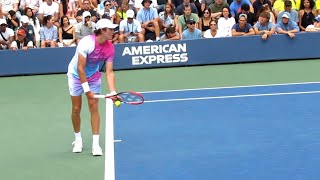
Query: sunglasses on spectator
x,y
107,4
192,23
88,17
3,25
213,24
206,12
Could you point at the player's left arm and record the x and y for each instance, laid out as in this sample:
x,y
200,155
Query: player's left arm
x,y
110,76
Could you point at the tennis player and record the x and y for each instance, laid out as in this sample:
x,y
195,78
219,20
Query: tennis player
x,y
84,77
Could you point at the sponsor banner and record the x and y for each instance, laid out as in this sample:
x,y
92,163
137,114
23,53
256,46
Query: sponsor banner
x,y
156,54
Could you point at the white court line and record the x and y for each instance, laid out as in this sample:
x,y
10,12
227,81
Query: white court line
x,y
230,87
235,96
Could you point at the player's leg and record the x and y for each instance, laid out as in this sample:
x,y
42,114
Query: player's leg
x,y
75,90
95,87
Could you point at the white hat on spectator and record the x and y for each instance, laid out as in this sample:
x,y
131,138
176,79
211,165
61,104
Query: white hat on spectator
x,y
86,14
130,13
286,15
2,21
105,23
24,19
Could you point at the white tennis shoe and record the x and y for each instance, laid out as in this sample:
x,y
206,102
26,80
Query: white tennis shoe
x,y
77,146
96,150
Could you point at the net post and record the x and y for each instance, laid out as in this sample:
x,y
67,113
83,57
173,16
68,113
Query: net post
x,y
109,162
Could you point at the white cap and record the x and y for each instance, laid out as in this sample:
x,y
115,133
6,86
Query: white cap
x,y
2,21
86,14
286,15
24,19
130,13
105,23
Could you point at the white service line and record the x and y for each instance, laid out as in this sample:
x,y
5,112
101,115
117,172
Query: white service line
x,y
230,87
235,96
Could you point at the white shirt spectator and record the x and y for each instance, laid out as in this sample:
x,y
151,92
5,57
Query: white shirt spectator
x,y
225,26
33,4
134,27
15,45
49,10
7,5
207,34
7,34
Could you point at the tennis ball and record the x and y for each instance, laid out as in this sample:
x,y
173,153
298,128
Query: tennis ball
x,y
117,103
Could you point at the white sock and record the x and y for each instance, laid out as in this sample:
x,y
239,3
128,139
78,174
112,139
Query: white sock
x,y
95,140
158,38
78,136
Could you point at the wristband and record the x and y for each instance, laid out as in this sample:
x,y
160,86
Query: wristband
x,y
113,93
85,87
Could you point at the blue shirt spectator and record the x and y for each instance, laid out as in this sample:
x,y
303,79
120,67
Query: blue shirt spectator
x,y
191,32
287,24
235,6
145,15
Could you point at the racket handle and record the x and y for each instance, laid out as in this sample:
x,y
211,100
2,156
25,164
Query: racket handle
x,y
99,96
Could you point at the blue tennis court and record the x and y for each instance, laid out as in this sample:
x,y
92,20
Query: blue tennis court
x,y
245,132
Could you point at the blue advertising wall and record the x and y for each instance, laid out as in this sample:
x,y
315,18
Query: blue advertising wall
x,y
171,53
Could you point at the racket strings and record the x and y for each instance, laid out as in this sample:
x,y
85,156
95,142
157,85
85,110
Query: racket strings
x,y
131,98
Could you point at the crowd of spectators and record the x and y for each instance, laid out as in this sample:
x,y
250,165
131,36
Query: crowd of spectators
x,y
62,23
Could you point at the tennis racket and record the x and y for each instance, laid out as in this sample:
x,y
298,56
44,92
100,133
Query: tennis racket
x,y
128,97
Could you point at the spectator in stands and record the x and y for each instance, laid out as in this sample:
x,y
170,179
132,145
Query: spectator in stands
x,y
266,8
138,5
180,10
182,20
86,7
235,6
264,27
67,33
68,8
206,4
35,23
242,28
216,8
148,17
121,12
130,29
191,32
279,5
13,21
8,5
245,9
307,13
286,26
167,17
84,28
108,13
32,4
204,22
315,27
226,22
257,6
213,32
162,5
49,8
48,33
170,34
288,8
22,42
6,35
30,33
